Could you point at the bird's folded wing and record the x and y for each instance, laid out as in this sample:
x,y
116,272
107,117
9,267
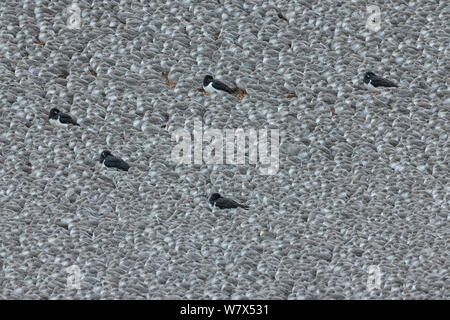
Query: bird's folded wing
x,y
381,82
221,86
65,118
116,163
224,203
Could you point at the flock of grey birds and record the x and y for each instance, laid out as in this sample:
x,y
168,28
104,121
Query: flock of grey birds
x,y
363,177
210,85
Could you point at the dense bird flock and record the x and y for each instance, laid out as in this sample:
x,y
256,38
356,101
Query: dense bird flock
x,y
363,176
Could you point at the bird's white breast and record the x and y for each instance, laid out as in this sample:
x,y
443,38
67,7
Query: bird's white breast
x,y
56,123
370,87
209,88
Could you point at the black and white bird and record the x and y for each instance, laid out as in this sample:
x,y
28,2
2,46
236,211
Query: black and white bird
x,y
60,119
110,161
372,82
210,85
216,200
